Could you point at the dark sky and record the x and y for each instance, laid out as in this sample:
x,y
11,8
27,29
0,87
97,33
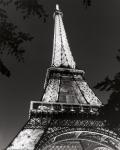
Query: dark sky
x,y
94,37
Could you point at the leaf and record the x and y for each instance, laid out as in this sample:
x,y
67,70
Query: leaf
x,y
104,85
4,70
31,7
11,40
86,3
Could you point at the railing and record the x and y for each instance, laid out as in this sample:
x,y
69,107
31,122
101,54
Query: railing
x,y
41,107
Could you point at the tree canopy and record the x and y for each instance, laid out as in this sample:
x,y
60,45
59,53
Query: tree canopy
x,y
112,110
11,38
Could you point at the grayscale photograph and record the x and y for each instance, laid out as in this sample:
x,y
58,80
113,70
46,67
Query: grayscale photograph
x,y
59,74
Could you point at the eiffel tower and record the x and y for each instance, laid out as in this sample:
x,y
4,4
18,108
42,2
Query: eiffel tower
x,y
68,115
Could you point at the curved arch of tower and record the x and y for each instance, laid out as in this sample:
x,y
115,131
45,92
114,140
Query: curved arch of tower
x,y
68,117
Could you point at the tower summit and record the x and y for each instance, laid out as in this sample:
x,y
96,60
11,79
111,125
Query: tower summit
x,y
68,117
62,56
64,83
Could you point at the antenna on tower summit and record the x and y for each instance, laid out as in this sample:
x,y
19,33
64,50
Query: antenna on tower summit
x,y
57,7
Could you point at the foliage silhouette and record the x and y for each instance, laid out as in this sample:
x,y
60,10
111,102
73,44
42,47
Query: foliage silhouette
x,y
86,3
111,111
34,7
31,7
28,8
11,39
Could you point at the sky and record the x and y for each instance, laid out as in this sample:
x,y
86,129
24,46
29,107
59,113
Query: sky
x,y
94,38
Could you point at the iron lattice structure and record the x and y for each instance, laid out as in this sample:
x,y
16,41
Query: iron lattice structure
x,y
73,123
69,115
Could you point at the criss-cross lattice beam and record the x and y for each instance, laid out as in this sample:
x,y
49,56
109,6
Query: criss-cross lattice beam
x,y
62,55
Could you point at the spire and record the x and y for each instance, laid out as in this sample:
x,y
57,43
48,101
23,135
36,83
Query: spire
x,y
57,7
64,83
62,56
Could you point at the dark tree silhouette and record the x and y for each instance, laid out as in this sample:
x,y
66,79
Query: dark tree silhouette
x,y
86,3
111,110
31,7
11,39
34,7
28,8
